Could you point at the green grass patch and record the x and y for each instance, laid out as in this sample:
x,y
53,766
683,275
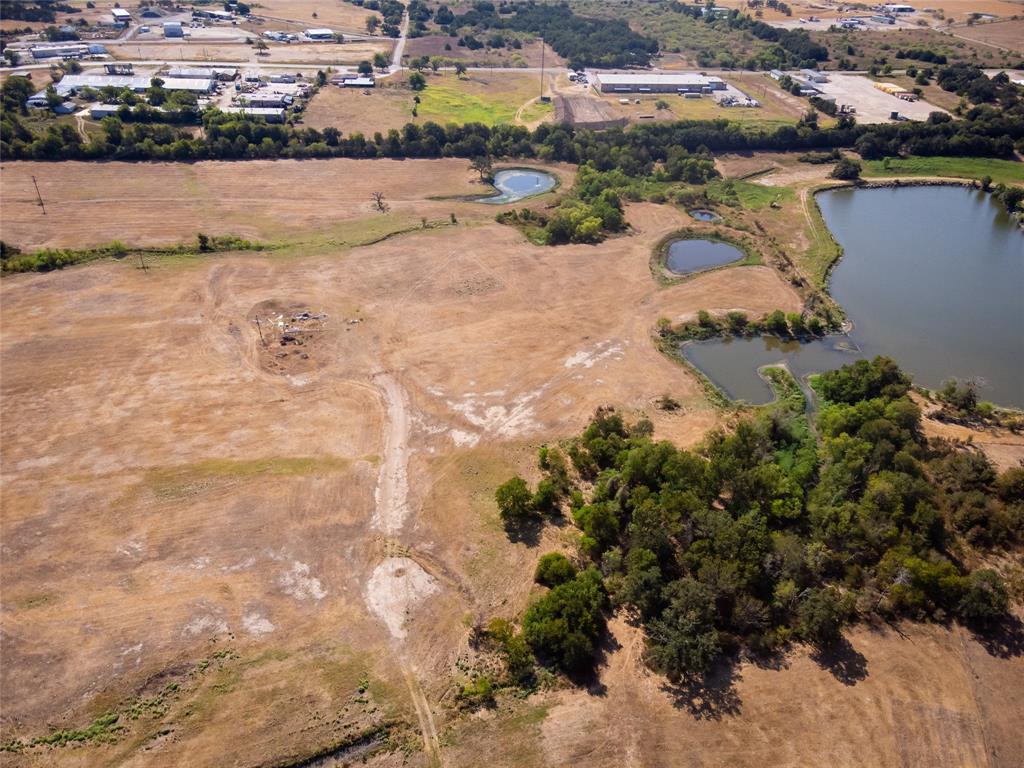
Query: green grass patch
x,y
1001,171
536,111
450,104
824,250
746,194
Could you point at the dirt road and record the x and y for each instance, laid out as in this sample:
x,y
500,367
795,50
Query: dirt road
x,y
392,494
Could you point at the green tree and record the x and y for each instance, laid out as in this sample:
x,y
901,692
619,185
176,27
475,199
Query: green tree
x,y
515,502
365,67
563,625
846,169
460,69
417,81
683,641
483,165
820,618
553,569
776,323
381,61
985,599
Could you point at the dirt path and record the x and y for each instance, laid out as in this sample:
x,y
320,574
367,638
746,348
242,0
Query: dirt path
x,y
399,583
392,494
431,742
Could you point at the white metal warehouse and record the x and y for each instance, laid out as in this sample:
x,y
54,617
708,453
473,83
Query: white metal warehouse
x,y
639,82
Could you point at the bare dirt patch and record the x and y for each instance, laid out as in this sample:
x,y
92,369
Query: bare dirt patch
x,y
292,338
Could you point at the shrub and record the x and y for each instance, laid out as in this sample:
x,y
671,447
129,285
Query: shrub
x,y
554,569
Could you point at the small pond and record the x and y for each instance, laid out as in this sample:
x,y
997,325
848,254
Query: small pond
x,y
932,276
732,363
702,214
688,256
516,184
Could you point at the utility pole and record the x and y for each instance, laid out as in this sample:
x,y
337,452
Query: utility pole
x,y
542,68
41,205
142,262
260,329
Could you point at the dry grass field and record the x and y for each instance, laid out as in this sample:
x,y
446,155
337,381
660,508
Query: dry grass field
x,y
527,56
253,550
336,15
1008,35
215,511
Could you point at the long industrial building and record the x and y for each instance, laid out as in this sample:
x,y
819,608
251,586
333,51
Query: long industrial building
x,y
639,82
67,50
270,114
70,84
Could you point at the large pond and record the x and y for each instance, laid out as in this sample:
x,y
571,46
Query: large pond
x,y
931,276
688,256
518,183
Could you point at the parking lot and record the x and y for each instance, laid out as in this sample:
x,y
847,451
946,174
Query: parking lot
x,y
872,105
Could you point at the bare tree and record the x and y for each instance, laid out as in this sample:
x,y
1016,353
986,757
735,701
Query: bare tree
x,y
379,204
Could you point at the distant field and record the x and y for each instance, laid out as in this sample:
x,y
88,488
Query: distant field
x,y
880,47
481,98
1005,34
527,56
1001,171
337,15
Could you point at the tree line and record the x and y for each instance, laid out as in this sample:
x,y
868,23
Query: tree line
x,y
767,534
986,132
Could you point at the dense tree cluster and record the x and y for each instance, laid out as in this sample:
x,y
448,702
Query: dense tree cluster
x,y
37,10
973,84
772,532
925,54
583,42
